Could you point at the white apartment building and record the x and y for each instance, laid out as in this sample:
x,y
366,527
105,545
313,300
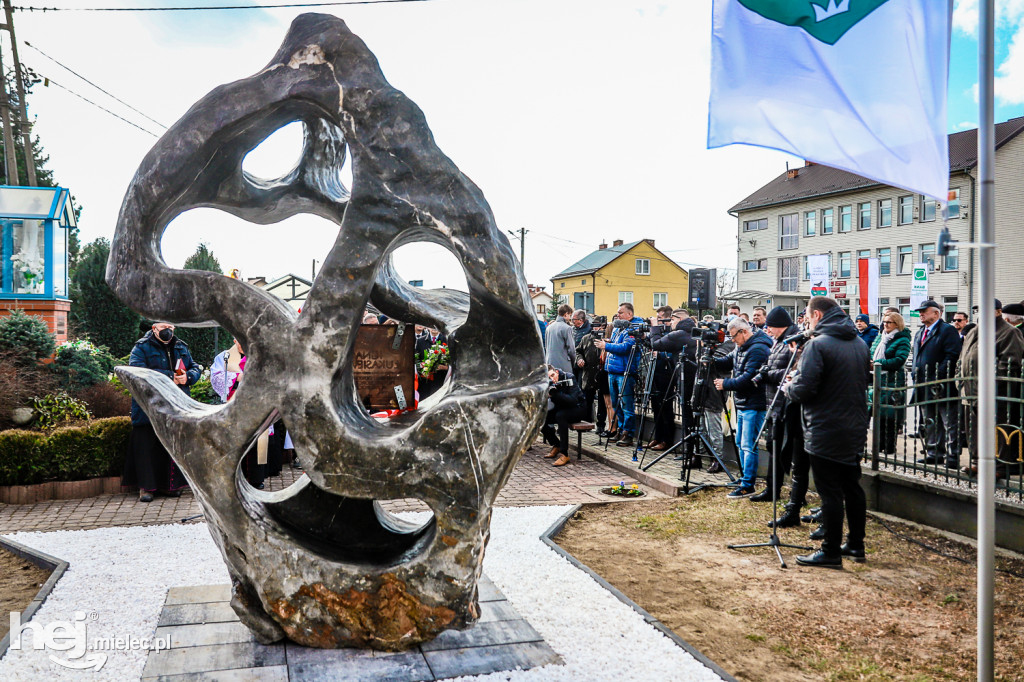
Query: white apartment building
x,y
821,210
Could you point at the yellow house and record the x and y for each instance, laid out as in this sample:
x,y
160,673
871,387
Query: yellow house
x,y
636,273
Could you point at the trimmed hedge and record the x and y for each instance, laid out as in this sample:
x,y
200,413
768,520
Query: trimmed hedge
x,y
71,453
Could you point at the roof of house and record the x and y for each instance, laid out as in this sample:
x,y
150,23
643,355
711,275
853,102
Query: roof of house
x,y
595,260
816,180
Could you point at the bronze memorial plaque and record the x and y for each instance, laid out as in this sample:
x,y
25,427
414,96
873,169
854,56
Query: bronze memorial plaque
x,y
380,364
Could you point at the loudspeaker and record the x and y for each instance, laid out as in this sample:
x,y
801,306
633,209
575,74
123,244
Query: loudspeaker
x,y
702,295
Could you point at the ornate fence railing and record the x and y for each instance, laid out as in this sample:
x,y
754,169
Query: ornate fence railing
x,y
926,426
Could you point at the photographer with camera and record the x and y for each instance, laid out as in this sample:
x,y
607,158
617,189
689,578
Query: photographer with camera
x,y
621,364
746,360
588,363
830,384
783,430
566,406
673,337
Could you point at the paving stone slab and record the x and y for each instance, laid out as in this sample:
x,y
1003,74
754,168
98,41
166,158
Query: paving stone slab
x,y
209,643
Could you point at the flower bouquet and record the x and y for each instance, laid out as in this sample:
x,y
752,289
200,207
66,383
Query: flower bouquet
x,y
434,357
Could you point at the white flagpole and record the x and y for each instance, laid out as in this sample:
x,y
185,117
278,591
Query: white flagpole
x,y
986,341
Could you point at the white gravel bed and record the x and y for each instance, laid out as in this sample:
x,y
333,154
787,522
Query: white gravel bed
x,y
120,577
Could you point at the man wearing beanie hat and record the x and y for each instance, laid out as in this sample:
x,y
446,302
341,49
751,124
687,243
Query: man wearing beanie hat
x,y
783,430
1013,313
866,330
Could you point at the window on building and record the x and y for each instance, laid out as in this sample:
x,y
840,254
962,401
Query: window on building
x,y
583,281
885,212
906,215
883,302
949,307
754,265
625,297
810,223
788,231
927,209
583,300
928,255
845,218
906,260
789,273
844,263
826,220
864,216
952,259
806,268
904,306
541,308
562,285
759,224
884,261
643,266
953,204
660,299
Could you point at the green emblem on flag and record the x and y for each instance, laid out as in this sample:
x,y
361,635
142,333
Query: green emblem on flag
x,y
826,20
919,274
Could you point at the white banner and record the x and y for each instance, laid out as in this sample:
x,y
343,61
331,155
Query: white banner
x,y
819,272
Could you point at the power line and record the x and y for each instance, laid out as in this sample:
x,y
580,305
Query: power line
x,y
99,106
30,8
108,94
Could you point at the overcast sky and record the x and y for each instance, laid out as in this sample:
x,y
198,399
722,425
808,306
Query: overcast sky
x,y
581,121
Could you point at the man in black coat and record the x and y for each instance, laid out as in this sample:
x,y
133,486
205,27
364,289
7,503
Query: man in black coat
x,y
428,386
830,385
670,338
566,407
936,349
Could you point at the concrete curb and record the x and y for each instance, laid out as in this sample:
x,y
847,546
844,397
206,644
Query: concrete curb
x,y
548,538
56,567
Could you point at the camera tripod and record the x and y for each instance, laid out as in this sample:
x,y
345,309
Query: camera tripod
x,y
698,430
773,538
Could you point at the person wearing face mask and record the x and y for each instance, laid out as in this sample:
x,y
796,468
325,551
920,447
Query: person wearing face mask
x,y
149,466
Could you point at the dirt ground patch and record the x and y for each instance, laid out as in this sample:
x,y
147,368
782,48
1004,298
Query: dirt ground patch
x,y
20,580
905,614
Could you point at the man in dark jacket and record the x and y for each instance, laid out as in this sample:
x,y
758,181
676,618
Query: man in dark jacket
x,y
783,430
866,330
830,385
148,465
746,360
566,408
663,384
674,339
936,349
588,366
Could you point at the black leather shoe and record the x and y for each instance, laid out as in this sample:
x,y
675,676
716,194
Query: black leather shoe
x,y
625,442
818,533
930,459
715,467
855,554
819,558
763,496
145,496
813,517
789,519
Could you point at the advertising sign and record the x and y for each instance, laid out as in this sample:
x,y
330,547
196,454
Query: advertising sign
x,y
818,269
918,287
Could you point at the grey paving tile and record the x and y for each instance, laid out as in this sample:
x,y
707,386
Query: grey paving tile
x,y
315,665
198,594
187,614
490,659
217,657
497,610
205,634
484,634
488,592
274,673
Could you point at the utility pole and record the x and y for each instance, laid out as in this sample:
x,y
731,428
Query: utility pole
x,y
26,127
522,246
10,160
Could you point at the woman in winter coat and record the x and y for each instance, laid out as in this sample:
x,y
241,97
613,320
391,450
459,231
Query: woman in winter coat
x,y
567,405
891,349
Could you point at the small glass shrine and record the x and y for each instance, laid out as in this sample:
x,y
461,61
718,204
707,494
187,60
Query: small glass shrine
x,y
34,226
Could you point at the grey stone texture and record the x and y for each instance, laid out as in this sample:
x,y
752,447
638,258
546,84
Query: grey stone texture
x,y
321,563
501,641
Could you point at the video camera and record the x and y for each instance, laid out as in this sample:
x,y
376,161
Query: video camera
x,y
709,333
598,324
637,330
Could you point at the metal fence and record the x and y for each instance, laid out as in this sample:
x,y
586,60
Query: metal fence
x,y
925,425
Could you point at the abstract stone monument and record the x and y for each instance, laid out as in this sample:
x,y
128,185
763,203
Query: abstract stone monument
x,y
321,563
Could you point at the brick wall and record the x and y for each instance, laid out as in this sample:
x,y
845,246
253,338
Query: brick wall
x,y
54,313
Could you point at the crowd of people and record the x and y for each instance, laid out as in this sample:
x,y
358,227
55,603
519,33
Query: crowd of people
x,y
804,384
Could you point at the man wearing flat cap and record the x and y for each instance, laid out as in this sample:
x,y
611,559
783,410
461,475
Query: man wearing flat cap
x,y
1013,313
936,350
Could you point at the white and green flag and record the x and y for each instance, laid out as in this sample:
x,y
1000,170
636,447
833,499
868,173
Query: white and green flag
x,y
854,84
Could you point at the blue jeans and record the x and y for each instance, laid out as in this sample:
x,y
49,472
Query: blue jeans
x,y
621,389
748,424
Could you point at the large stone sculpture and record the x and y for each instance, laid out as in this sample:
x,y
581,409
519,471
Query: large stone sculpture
x,y
321,563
